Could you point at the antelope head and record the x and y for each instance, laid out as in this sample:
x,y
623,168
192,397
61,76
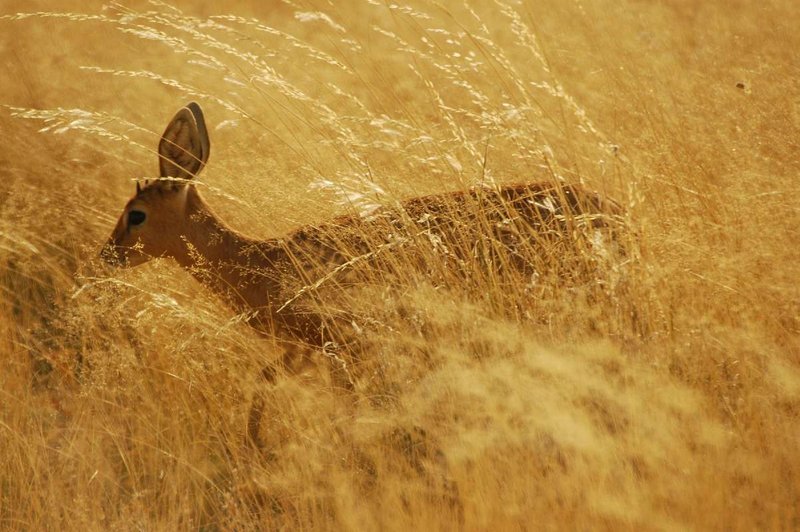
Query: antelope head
x,y
154,221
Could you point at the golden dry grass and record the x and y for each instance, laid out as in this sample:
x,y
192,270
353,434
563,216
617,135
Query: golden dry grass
x,y
664,397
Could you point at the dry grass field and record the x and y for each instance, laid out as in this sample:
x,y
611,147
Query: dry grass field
x,y
654,389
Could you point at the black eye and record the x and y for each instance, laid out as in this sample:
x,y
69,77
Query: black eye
x,y
136,217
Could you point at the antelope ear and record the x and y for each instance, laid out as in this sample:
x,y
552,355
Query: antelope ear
x,y
184,146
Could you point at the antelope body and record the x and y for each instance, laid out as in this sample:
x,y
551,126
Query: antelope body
x,y
264,278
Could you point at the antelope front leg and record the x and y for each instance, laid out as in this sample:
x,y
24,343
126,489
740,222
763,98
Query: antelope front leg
x,y
294,360
291,359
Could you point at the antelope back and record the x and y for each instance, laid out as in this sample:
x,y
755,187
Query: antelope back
x,y
537,228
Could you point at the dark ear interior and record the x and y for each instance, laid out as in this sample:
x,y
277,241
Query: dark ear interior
x,y
184,146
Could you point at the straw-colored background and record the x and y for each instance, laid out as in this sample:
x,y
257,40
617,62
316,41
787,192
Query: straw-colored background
x,y
671,403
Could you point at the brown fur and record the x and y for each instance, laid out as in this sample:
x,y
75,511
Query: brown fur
x,y
273,280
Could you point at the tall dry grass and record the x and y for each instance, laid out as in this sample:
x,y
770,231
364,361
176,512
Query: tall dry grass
x,y
660,393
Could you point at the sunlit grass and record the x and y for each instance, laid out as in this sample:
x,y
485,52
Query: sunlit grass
x,y
656,388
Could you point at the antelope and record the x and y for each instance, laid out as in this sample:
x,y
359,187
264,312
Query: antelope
x,y
265,279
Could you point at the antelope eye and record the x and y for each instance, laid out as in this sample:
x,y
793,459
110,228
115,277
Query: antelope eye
x,y
136,217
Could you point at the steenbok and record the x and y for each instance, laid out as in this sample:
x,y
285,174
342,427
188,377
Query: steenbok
x,y
272,281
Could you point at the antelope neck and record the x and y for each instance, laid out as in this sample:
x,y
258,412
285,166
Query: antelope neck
x,y
221,257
